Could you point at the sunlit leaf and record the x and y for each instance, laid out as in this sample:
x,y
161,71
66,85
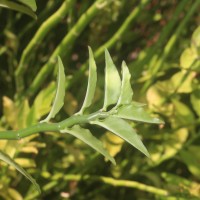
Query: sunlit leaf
x,y
183,114
132,112
192,162
195,100
11,162
92,79
112,143
14,194
10,112
17,7
124,130
25,162
126,94
112,82
60,92
188,58
196,37
168,146
30,3
86,136
42,103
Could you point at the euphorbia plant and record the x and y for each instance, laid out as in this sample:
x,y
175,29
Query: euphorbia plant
x,y
118,107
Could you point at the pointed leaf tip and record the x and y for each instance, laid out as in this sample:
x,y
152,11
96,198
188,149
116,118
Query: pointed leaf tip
x,y
60,92
86,136
126,93
92,79
112,82
11,162
123,130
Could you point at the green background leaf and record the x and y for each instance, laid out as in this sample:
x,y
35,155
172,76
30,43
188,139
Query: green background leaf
x,y
11,162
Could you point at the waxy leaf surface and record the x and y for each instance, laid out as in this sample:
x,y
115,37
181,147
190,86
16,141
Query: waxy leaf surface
x,y
124,130
134,113
112,82
126,94
92,79
60,92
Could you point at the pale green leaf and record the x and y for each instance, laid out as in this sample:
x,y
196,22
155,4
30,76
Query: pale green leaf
x,y
195,100
11,162
86,136
126,94
42,102
124,130
30,3
134,113
182,113
192,162
188,58
92,79
112,82
60,92
196,37
17,7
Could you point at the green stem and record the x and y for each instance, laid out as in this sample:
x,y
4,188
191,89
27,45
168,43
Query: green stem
x,y
53,127
36,40
65,45
122,183
107,180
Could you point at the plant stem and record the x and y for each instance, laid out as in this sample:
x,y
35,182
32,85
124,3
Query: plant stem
x,y
107,180
119,183
53,127
65,45
36,40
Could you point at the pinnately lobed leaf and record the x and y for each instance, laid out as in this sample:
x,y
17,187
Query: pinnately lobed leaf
x,y
92,79
112,82
124,130
11,162
86,136
60,92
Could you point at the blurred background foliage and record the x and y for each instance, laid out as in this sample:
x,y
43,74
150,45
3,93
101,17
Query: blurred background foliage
x,y
160,41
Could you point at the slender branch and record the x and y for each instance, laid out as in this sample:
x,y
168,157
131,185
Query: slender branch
x,y
119,183
64,45
36,40
53,127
